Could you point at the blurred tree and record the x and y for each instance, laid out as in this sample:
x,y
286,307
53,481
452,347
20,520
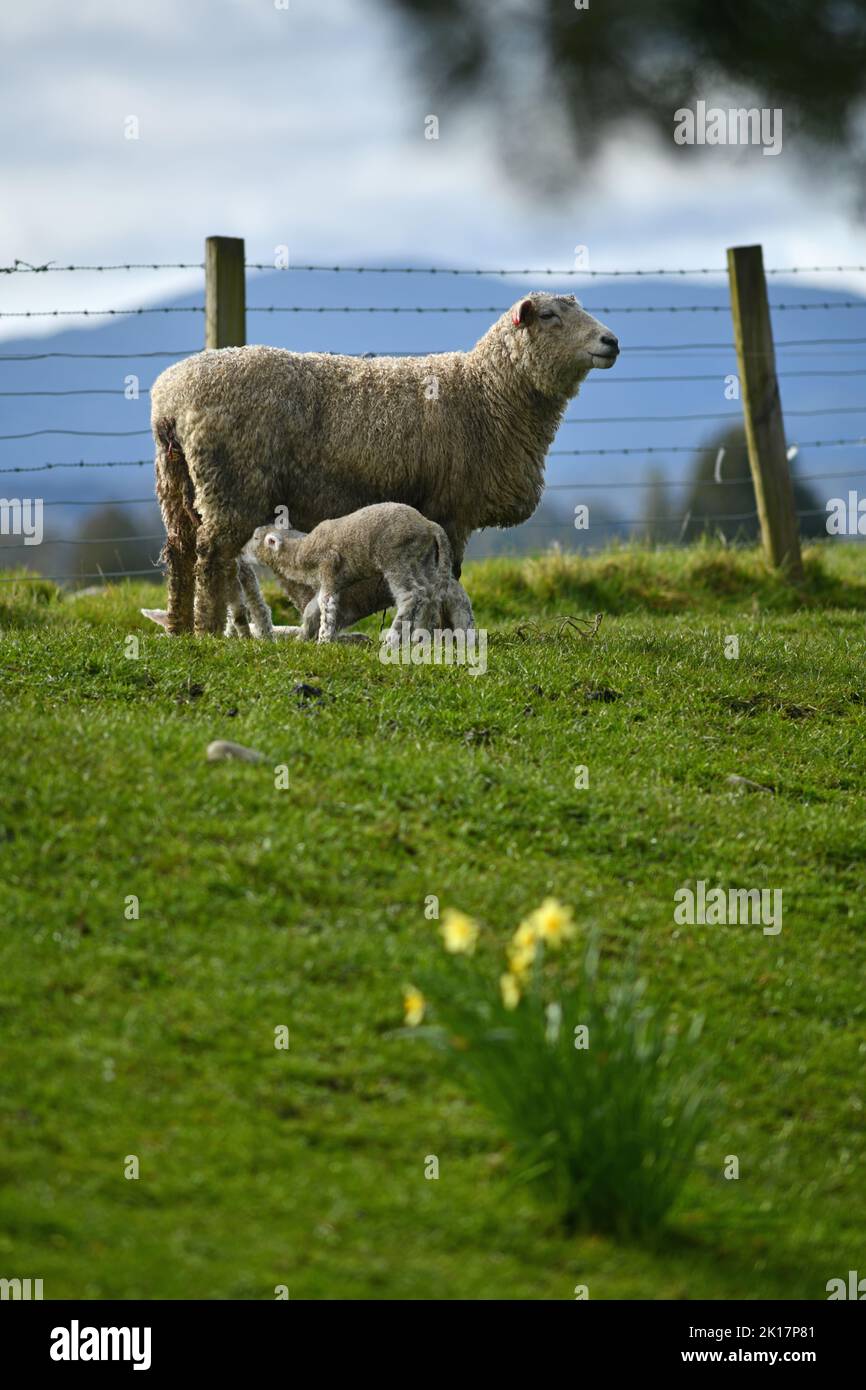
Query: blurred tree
x,y
557,78
552,522
708,502
660,525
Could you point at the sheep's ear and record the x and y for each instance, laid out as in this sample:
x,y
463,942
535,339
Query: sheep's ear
x,y
524,314
272,541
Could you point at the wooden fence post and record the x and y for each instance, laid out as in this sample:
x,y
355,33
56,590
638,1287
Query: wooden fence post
x,y
224,292
762,409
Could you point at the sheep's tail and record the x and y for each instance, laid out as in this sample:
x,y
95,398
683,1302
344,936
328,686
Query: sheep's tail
x,y
176,495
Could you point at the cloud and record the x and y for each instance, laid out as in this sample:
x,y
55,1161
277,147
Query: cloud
x,y
306,127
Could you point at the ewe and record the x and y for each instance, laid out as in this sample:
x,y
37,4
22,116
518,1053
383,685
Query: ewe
x,y
389,542
461,436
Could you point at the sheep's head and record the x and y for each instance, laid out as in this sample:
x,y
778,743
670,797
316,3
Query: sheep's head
x,y
557,342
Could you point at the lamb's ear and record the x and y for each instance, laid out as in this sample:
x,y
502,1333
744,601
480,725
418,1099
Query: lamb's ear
x,y
524,314
272,541
156,615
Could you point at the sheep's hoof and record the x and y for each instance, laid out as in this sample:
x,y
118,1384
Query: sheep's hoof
x,y
358,638
283,633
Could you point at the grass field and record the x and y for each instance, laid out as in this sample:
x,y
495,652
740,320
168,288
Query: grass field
x,y
305,907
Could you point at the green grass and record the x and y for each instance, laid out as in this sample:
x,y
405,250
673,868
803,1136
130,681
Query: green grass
x,y
261,907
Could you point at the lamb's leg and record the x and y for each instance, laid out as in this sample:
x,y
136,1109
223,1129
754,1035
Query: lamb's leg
x,y
237,616
411,601
329,609
258,611
311,620
457,611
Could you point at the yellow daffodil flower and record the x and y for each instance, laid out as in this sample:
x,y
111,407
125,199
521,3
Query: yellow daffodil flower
x,y
414,1005
459,933
510,988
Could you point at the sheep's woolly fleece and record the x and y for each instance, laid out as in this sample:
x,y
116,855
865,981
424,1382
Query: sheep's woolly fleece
x,y
461,436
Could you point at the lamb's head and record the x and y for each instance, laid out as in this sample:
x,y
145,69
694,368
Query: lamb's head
x,y
265,545
556,342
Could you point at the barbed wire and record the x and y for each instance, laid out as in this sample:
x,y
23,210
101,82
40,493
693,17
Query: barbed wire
x,y
697,483
622,451
90,434
80,540
43,356
596,380
26,268
97,313
21,267
837,345
368,309
70,578
549,487
691,448
701,415
636,347
119,392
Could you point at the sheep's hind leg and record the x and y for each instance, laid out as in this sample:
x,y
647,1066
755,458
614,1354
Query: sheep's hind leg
x,y
179,556
216,581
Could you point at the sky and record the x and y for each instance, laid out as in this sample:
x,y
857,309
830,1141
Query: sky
x,y
304,126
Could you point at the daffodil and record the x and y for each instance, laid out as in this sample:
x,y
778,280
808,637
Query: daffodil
x,y
459,933
414,1005
526,934
520,959
510,988
553,923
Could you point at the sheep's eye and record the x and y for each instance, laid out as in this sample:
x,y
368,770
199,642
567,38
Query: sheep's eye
x,y
547,314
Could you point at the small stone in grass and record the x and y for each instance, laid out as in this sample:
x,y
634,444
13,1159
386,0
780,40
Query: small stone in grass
x,y
222,750
743,784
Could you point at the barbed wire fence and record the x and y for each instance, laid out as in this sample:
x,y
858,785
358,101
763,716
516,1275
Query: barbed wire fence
x,y
223,327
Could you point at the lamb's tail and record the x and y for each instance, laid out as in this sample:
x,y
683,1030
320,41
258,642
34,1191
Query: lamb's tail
x,y
442,558
176,495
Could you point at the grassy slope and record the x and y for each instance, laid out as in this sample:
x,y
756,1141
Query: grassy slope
x,y
262,907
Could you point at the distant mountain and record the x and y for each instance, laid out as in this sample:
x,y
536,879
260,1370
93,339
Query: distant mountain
x,y
663,403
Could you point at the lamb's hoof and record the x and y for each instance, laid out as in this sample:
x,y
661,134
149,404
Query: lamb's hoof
x,y
283,633
357,638
156,615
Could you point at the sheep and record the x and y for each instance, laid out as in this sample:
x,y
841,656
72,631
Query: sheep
x,y
388,541
460,436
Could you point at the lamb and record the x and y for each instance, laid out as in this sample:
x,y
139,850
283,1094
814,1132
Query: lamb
x,y
460,436
388,541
